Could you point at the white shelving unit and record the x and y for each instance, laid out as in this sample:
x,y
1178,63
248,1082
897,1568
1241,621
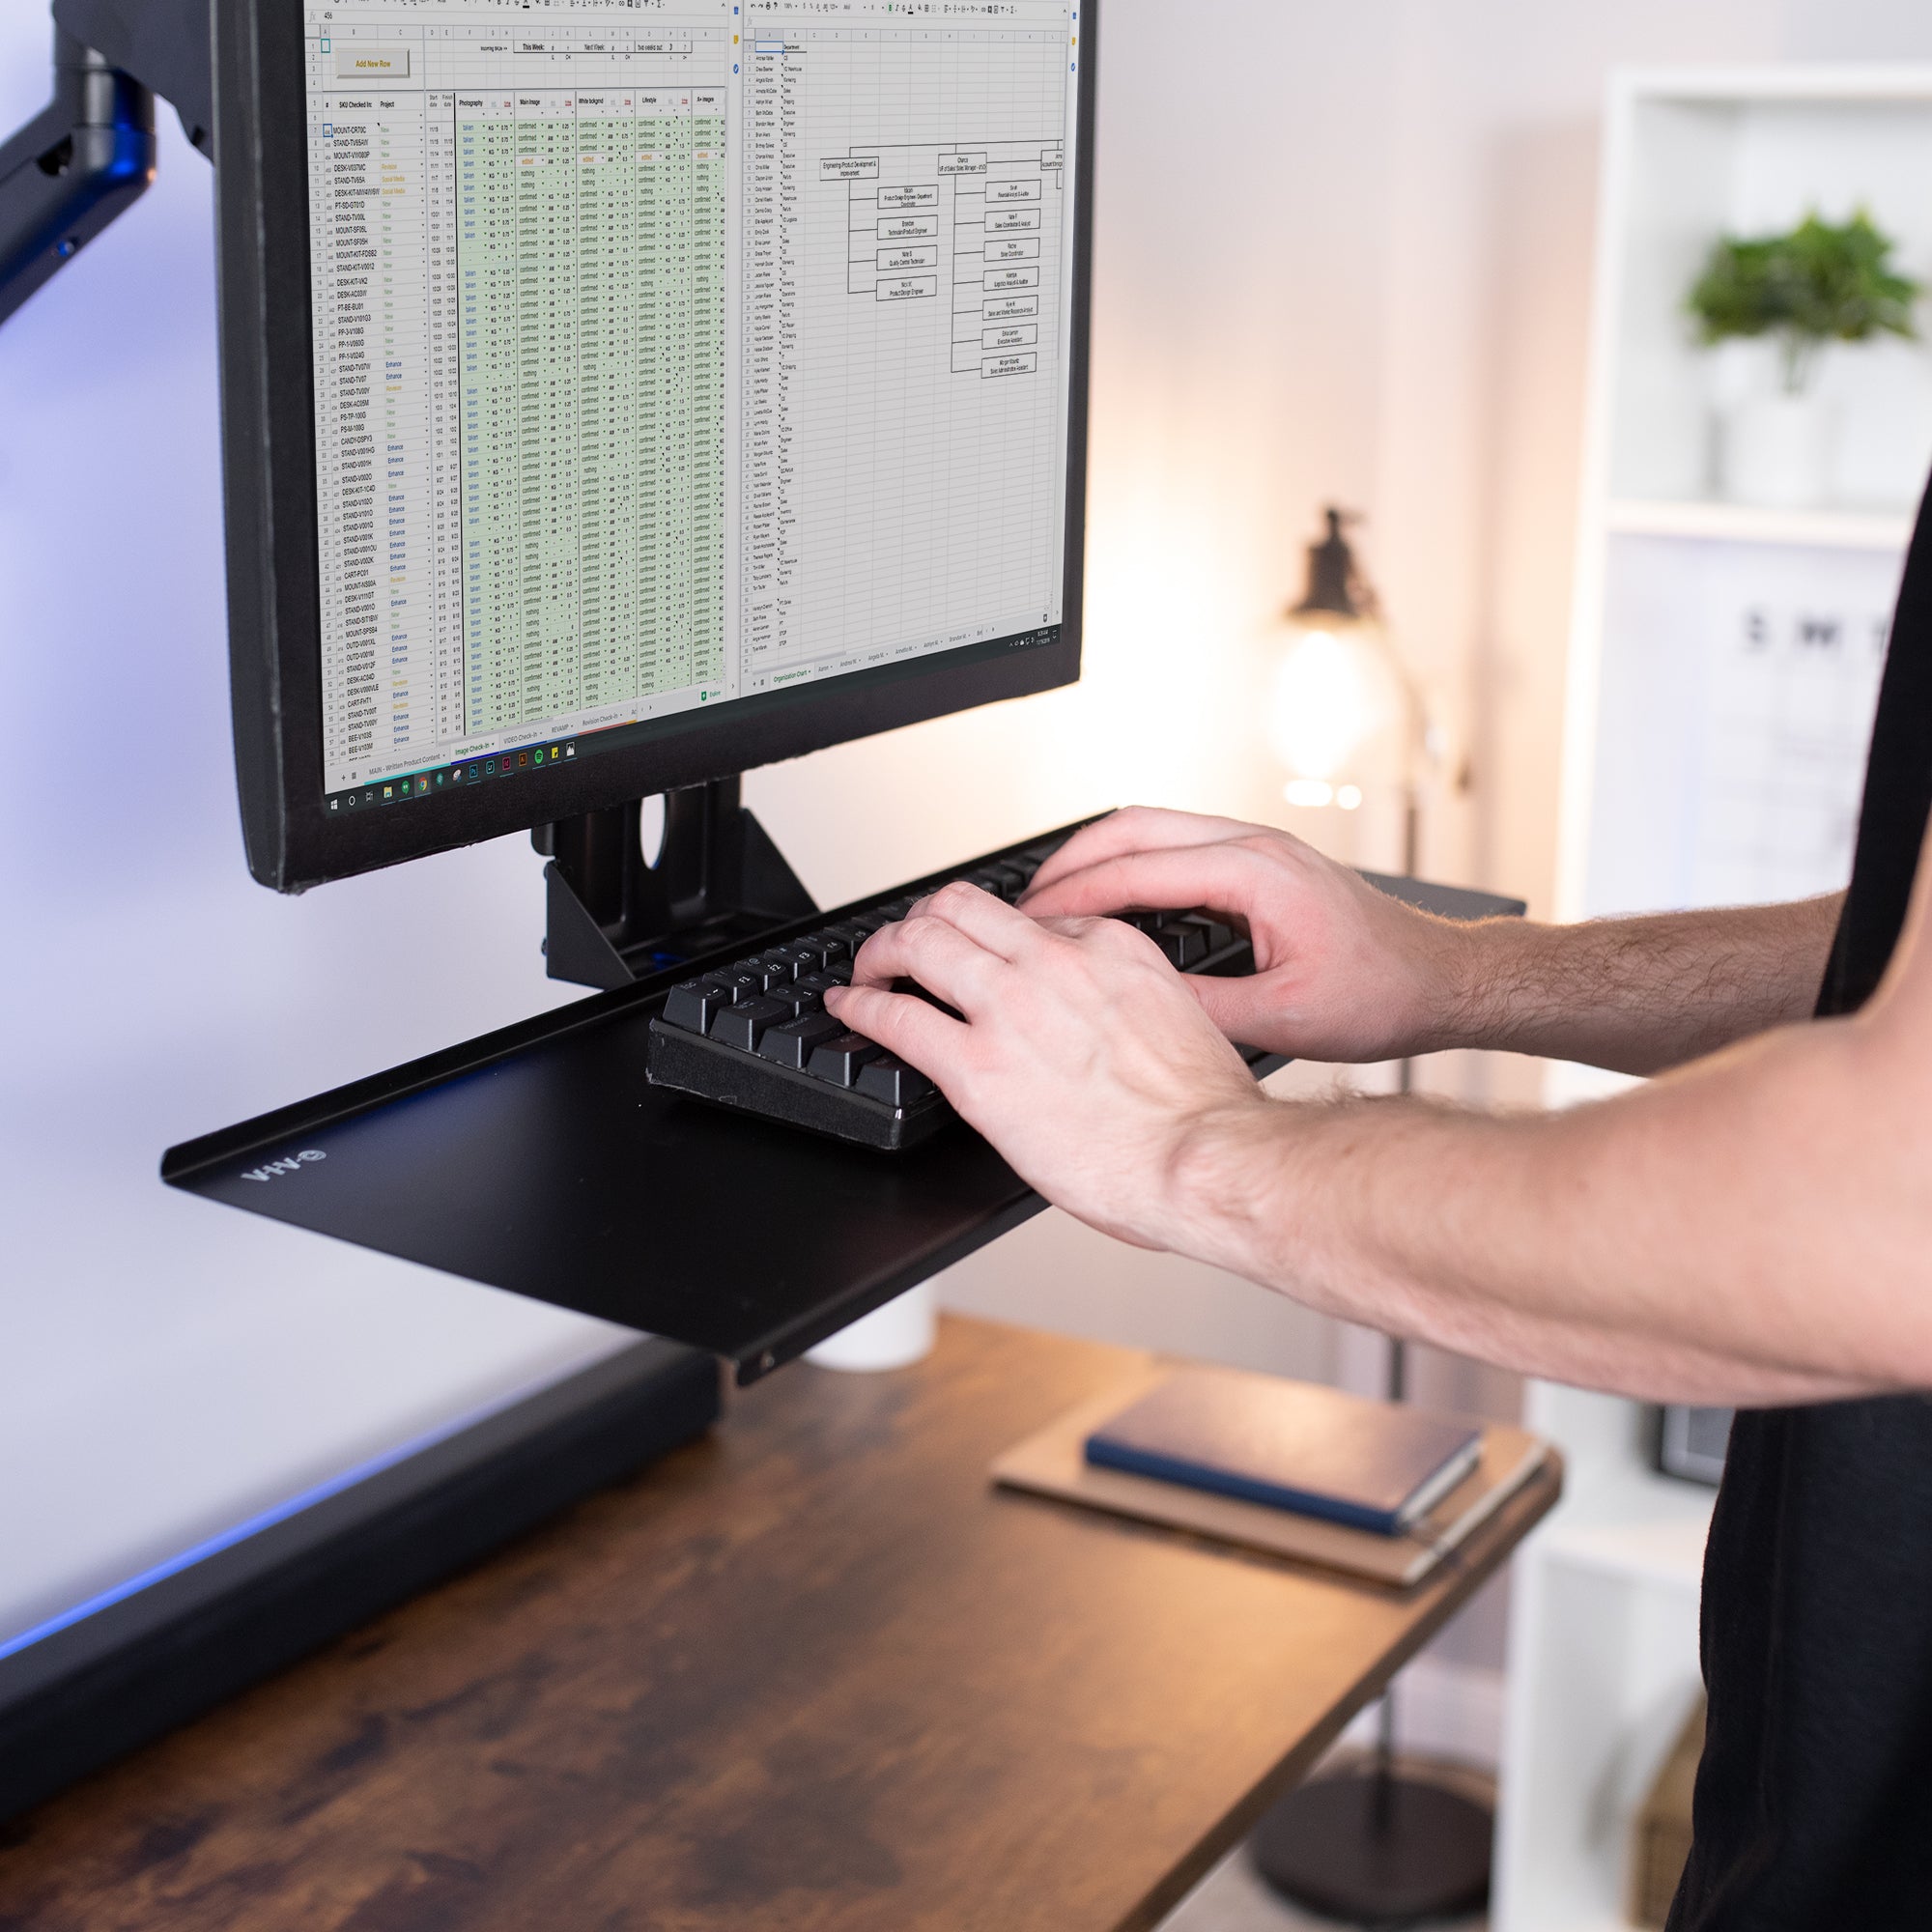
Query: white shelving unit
x,y
1602,1667
1689,156
1741,522
1723,663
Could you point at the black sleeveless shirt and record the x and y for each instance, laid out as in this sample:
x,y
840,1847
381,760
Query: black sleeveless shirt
x,y
1814,1799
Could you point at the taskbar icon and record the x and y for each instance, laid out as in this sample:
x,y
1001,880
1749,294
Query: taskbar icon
x,y
515,762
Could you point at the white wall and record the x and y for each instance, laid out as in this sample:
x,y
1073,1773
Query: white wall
x,y
1342,252
168,1369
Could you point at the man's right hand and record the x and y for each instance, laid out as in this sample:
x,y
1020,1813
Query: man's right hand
x,y
1341,972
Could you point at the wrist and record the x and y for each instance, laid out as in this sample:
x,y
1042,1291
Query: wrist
x,y
1481,965
1222,1196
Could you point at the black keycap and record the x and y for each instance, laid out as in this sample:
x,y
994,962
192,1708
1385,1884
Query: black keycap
x,y
852,931
790,1043
773,969
799,956
742,984
840,974
695,1004
1009,881
797,999
894,1082
839,1059
870,923
1217,935
817,982
1184,944
811,953
896,909
741,1026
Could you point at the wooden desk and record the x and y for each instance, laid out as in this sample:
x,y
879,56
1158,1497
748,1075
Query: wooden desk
x,y
811,1673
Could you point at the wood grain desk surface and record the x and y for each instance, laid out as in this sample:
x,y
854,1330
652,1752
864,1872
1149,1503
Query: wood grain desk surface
x,y
813,1673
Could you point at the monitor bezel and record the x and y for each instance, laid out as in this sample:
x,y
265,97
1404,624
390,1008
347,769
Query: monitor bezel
x,y
293,841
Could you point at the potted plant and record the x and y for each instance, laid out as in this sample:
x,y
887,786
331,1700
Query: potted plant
x,y
1818,284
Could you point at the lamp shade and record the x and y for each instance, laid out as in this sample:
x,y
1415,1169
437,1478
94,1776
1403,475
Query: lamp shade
x,y
1342,715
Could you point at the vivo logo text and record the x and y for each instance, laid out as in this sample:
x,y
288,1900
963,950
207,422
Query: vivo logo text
x,y
293,1165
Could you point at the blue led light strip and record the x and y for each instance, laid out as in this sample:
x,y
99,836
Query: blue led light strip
x,y
254,1525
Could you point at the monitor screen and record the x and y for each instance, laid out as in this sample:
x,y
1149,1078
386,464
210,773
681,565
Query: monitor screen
x,y
688,382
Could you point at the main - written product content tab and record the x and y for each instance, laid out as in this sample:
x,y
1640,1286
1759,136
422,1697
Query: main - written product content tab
x,y
670,354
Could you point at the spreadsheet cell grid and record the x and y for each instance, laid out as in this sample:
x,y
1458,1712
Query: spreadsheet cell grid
x,y
657,366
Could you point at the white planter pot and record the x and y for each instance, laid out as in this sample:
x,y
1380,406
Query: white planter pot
x,y
1774,451
892,1337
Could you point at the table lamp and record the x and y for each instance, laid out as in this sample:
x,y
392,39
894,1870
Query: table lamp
x,y
1344,719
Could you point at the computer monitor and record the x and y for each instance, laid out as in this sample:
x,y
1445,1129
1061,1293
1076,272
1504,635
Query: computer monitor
x,y
620,394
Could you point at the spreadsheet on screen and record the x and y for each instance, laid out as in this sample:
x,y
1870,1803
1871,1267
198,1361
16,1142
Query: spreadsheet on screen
x,y
667,354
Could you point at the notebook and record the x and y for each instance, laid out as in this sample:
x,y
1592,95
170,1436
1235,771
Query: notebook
x,y
1052,1464
1290,1446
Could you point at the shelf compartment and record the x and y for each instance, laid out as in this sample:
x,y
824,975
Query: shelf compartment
x,y
1714,521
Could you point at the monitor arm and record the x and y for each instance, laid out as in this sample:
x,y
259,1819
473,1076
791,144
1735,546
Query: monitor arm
x,y
89,155
87,158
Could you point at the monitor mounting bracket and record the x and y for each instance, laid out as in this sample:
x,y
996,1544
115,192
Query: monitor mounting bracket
x,y
89,155
614,916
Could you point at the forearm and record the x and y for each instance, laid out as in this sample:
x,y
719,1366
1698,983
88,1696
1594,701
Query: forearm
x,y
1699,1240
1636,995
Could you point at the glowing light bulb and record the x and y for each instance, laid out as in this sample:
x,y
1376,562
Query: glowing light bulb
x,y
1336,697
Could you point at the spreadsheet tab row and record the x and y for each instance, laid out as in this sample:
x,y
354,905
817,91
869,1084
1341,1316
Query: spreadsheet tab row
x,y
668,355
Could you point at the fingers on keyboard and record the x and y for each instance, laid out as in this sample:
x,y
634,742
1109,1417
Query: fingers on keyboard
x,y
771,1005
788,982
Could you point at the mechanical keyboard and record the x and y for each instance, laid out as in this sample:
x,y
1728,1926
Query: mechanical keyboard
x,y
754,1034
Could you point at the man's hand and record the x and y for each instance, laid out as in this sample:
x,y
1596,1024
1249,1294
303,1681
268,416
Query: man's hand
x,y
1081,1054
1344,972
1752,1228
1341,972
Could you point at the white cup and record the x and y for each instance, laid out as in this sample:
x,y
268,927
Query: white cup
x,y
892,1337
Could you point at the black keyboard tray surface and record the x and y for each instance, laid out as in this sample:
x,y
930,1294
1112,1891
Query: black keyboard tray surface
x,y
541,1159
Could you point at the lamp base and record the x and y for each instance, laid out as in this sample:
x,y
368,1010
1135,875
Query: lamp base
x,y
1372,1848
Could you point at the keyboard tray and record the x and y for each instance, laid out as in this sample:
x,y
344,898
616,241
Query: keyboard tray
x,y
539,1159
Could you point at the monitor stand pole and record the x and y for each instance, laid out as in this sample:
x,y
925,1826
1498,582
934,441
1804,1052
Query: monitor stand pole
x,y
615,917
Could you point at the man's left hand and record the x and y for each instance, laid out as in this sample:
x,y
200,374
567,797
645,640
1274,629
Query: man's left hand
x,y
1081,1054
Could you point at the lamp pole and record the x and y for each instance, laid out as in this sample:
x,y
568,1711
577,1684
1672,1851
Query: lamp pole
x,y
1375,1846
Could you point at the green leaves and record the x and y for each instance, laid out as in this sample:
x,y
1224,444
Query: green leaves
x,y
1819,283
